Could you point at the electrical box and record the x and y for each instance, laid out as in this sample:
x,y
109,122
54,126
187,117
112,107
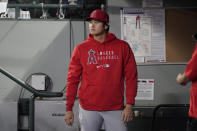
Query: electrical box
x,y
38,82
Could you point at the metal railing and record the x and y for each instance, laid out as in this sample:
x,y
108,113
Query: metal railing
x,y
41,6
75,12
35,93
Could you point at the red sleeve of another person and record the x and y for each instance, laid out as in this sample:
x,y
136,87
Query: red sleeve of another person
x,y
191,68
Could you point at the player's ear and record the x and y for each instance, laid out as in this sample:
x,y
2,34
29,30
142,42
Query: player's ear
x,y
105,26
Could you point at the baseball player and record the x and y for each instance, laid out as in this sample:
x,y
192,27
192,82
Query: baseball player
x,y
103,64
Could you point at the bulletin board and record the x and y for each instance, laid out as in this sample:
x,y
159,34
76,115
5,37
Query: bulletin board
x,y
144,30
171,33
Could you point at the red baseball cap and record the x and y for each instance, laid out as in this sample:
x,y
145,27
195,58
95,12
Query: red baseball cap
x,y
99,15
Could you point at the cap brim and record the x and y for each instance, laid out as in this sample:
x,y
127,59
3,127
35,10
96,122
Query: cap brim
x,y
88,19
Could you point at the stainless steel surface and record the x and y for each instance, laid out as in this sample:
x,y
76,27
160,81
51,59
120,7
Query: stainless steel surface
x,y
8,115
49,116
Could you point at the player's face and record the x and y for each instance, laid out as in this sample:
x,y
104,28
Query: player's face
x,y
96,27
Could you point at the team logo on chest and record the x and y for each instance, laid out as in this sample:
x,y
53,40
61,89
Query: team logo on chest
x,y
91,58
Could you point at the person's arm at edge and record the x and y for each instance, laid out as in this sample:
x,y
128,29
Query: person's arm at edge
x,y
130,72
73,80
191,68
190,71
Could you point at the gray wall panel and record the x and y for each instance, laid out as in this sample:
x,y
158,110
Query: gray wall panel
x,y
34,46
166,89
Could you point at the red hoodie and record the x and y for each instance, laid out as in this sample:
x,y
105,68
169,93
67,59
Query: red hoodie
x,y
102,68
191,73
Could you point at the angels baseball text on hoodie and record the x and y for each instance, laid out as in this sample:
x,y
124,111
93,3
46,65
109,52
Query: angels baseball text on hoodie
x,y
102,69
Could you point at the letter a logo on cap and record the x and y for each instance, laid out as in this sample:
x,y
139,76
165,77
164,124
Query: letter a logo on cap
x,y
94,14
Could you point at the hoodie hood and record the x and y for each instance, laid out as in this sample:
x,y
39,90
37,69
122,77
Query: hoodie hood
x,y
110,37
